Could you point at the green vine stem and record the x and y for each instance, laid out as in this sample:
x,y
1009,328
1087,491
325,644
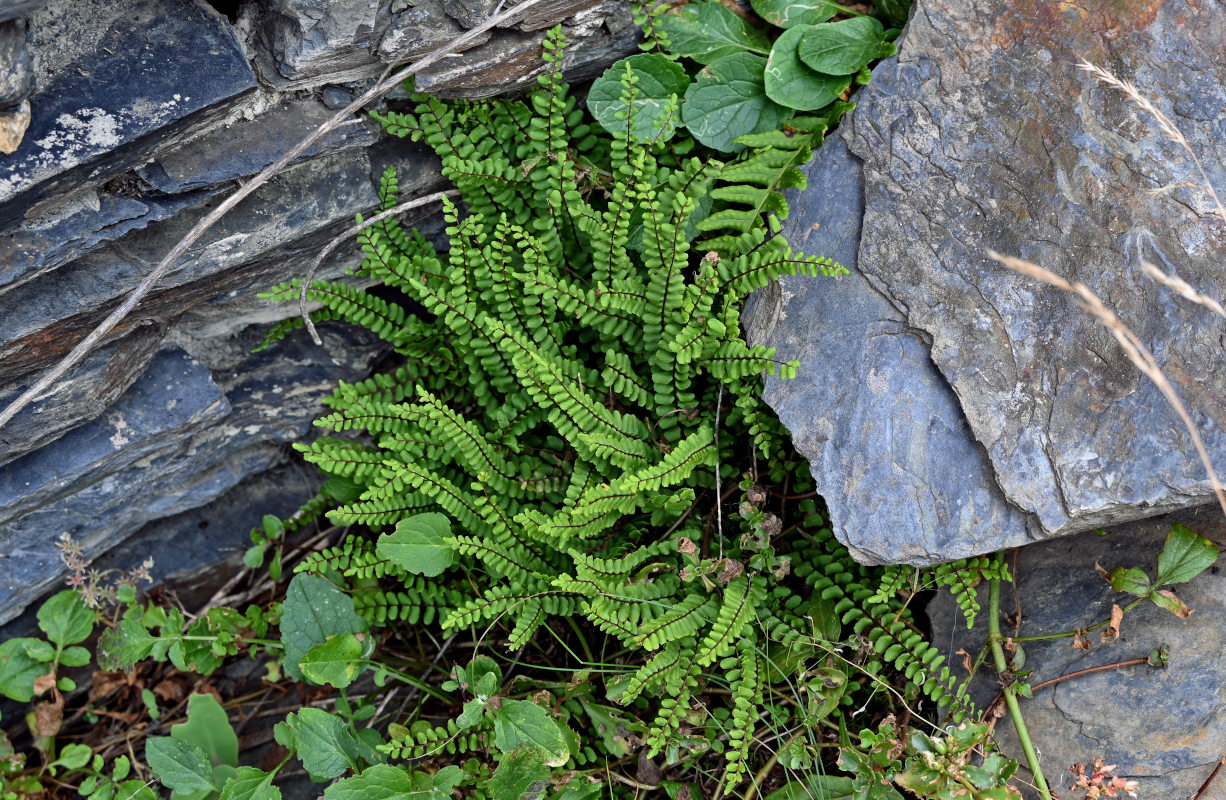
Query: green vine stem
x,y
996,642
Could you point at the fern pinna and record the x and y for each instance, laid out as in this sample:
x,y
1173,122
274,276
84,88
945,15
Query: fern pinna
x,y
560,404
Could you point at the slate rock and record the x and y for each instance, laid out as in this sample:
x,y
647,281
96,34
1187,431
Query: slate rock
x,y
242,149
419,29
335,97
1164,727
967,147
883,434
55,233
132,99
312,38
81,395
16,69
470,13
12,9
296,213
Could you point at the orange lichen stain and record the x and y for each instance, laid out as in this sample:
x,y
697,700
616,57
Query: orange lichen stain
x,y
1108,18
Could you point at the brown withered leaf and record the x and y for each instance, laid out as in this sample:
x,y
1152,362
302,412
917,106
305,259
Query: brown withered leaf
x,y
49,716
966,659
1112,631
686,546
1177,607
1081,641
44,682
731,570
171,690
1102,573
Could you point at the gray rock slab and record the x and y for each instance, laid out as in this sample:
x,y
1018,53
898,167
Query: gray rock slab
x,y
85,130
81,395
174,398
295,213
241,149
984,135
311,38
16,67
11,9
1164,727
419,29
886,441
75,224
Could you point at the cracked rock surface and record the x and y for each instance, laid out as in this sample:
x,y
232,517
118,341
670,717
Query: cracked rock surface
x,y
1164,727
983,135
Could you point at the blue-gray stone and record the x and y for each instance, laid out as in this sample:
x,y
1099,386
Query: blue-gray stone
x,y
886,442
158,68
984,135
1164,727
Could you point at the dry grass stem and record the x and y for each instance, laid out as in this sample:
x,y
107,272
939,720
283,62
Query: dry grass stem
x,y
1169,129
1182,288
1136,351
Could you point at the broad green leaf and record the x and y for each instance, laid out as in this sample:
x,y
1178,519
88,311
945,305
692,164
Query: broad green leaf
x,y
707,31
74,656
655,101
521,775
1133,581
66,619
208,728
843,48
522,723
18,670
790,13
322,742
1184,556
827,787
336,662
606,722
419,544
383,782
1166,599
251,784
40,650
74,756
313,610
179,765
789,82
121,647
729,100
134,790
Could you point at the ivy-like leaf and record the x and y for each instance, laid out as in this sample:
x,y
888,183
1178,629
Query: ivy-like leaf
x,y
420,544
1133,581
313,610
521,775
322,742
19,669
660,80
337,662
1184,556
708,31
522,723
789,82
729,100
123,646
790,13
384,782
251,784
65,618
844,48
181,766
208,728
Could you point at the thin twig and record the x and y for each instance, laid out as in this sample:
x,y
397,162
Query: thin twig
x,y
1132,346
1221,763
719,494
408,205
115,317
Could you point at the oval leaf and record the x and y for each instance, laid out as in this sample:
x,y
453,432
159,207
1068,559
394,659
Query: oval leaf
x,y
420,544
522,723
660,84
181,766
790,83
66,619
790,13
842,48
708,31
336,662
1184,556
313,610
729,100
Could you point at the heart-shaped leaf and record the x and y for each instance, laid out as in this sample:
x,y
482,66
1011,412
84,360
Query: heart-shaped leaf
x,y
843,48
790,83
708,31
729,100
1184,556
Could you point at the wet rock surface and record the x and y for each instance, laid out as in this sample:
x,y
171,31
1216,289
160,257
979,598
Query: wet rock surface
x,y
948,405
143,115
1164,727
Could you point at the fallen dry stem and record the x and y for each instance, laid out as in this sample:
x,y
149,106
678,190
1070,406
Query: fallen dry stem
x,y
1136,351
340,118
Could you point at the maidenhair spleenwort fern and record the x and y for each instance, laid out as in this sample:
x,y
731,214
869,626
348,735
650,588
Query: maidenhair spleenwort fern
x,y
560,403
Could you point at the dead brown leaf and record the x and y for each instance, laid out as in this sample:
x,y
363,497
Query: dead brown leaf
x,y
966,659
1081,641
44,682
49,715
1183,611
1102,573
1112,631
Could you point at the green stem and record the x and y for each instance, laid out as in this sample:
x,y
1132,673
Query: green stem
x,y
995,640
1040,637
